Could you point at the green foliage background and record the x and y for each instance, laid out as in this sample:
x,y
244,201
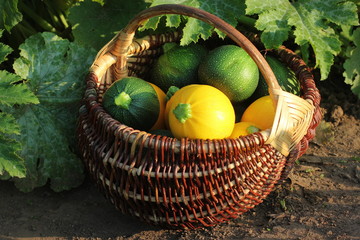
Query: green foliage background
x,y
47,46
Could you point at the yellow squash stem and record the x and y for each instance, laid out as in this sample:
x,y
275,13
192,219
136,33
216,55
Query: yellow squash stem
x,y
182,112
252,129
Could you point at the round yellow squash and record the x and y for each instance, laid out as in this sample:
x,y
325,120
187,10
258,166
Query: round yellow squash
x,y
261,112
201,112
243,129
160,122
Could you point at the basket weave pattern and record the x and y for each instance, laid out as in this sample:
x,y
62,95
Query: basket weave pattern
x,y
187,183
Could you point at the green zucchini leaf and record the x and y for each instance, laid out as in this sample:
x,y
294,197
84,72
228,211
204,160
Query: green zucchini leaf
x,y
8,124
10,15
312,21
10,162
55,70
352,64
14,91
195,29
95,24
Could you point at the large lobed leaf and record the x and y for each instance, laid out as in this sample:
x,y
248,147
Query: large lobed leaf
x,y
195,29
54,67
55,70
310,19
95,24
12,91
352,64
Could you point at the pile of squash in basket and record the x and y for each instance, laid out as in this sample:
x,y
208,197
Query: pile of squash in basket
x,y
199,93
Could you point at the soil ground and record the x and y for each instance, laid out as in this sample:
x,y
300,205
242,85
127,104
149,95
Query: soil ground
x,y
319,200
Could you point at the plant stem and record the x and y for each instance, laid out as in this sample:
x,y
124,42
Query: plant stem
x,y
247,21
34,16
63,19
29,28
25,30
53,15
247,24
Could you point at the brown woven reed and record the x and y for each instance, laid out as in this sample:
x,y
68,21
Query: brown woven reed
x,y
184,183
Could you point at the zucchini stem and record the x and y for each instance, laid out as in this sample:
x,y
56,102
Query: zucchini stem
x,y
171,91
38,19
123,100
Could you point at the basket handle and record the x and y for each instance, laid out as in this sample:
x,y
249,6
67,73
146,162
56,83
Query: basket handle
x,y
118,47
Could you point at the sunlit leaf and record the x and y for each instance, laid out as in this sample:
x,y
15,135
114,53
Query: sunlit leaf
x,y
310,20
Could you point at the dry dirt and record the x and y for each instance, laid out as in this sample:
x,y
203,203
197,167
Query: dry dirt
x,y
319,200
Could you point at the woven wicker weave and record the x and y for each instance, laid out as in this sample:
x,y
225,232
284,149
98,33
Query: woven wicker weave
x,y
189,183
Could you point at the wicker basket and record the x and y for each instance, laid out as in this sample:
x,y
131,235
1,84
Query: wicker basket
x,y
189,183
